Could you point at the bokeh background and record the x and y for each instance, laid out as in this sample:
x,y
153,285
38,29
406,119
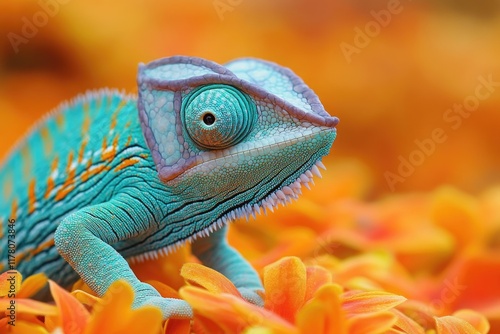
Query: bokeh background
x,y
391,90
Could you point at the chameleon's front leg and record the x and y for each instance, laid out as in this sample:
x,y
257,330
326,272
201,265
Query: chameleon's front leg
x,y
214,252
83,238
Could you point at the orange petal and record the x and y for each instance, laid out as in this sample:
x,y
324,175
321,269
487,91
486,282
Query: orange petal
x,y
316,278
163,289
323,313
477,320
32,285
371,323
144,320
457,213
73,316
453,325
115,314
360,302
199,275
22,327
232,313
177,326
164,269
10,283
29,306
285,286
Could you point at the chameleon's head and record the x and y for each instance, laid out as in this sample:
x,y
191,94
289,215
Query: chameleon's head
x,y
242,134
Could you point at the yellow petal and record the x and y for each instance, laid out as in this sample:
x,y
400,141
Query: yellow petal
x,y
199,275
10,283
73,316
86,298
453,325
360,302
32,285
285,286
373,323
323,313
259,330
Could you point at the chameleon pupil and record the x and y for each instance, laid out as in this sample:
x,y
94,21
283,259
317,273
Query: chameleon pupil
x,y
208,119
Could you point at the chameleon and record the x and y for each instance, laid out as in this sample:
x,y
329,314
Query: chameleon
x,y
108,178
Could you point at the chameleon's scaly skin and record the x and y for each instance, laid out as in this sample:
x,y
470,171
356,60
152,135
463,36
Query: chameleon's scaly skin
x,y
97,183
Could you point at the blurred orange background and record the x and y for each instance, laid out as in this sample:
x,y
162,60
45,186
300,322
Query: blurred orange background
x,y
392,71
395,89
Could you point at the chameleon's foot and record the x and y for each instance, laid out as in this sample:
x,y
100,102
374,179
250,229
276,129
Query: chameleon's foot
x,y
250,295
170,307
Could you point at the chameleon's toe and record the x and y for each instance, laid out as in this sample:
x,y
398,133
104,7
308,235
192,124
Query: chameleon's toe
x,y
170,307
251,296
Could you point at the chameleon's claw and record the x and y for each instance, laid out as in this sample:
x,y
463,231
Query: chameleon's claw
x,y
170,307
251,296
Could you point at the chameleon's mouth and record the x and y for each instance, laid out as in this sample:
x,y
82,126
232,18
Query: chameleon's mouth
x,y
282,196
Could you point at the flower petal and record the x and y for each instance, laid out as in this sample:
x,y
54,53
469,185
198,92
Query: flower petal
x,y
164,290
407,324
232,314
177,326
371,323
86,298
360,302
10,279
31,285
29,306
454,325
323,313
22,327
477,320
199,275
285,286
316,278
73,316
115,315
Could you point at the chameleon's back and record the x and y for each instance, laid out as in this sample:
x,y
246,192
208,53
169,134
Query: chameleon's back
x,y
49,174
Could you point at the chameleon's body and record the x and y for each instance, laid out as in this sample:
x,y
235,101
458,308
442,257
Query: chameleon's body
x,y
98,181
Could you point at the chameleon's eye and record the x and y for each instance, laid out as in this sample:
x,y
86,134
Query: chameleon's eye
x,y
218,116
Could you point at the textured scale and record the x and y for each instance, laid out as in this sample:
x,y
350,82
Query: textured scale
x,y
108,178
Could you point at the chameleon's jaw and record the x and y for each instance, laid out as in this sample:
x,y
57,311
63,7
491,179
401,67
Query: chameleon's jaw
x,y
282,196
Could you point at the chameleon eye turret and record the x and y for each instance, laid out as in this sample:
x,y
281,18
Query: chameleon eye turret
x,y
218,116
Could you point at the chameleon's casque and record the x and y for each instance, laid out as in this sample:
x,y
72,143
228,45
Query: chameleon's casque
x,y
107,177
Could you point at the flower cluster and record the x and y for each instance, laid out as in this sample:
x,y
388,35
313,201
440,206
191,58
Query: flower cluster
x,y
421,263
